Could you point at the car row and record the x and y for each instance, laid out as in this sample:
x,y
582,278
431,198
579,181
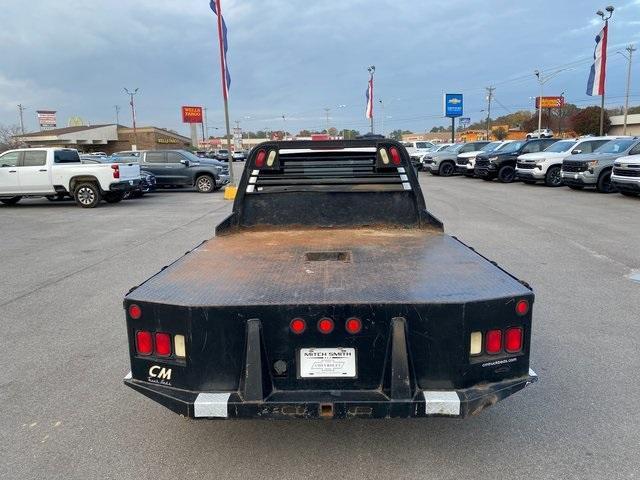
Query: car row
x,y
608,163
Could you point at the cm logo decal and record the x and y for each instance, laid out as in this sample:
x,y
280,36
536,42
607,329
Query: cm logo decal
x,y
161,373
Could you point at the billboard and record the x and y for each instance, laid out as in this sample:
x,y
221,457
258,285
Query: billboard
x,y
191,114
46,119
464,122
453,105
550,102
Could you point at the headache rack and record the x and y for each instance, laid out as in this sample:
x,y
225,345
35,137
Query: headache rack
x,y
329,184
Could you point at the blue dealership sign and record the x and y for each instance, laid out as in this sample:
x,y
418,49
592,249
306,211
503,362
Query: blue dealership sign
x,y
453,105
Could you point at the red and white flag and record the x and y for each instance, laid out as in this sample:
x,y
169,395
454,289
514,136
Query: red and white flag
x,y
595,85
369,94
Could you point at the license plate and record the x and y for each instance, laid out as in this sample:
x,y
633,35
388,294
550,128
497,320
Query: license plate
x,y
327,362
130,182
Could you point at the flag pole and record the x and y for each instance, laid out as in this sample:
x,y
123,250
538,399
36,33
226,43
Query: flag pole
x,y
223,69
604,52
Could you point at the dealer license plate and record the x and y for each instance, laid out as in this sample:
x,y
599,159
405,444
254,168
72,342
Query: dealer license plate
x,y
327,362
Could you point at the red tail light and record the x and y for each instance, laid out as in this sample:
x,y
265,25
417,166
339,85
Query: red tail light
x,y
522,307
353,325
325,325
298,326
260,158
395,155
493,343
163,344
513,340
135,311
144,342
116,170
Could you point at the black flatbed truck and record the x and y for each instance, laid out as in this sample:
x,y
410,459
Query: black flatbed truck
x,y
329,292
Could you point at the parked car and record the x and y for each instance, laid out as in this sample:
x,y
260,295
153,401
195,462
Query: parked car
x,y
626,175
594,169
417,150
57,172
222,154
542,133
182,168
466,162
545,166
501,164
147,179
444,163
238,156
435,149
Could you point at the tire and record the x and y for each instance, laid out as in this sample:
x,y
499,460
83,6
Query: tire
x,y
87,195
528,137
113,197
575,187
446,169
205,184
507,174
629,194
10,201
604,183
553,178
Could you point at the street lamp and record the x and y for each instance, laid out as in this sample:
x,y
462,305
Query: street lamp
x,y
605,18
133,115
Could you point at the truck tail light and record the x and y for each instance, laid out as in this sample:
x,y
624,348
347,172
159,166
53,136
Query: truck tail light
x,y
522,307
298,326
476,343
325,325
163,344
116,170
179,347
395,155
353,325
493,342
513,340
144,342
260,158
135,311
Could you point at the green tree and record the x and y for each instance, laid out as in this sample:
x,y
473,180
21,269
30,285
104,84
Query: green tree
x,y
350,134
500,133
634,110
304,133
587,121
396,135
333,131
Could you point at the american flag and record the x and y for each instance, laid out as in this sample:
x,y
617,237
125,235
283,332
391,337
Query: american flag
x,y
225,66
369,94
595,85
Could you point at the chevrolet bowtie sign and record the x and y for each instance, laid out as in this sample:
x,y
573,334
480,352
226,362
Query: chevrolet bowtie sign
x,y
453,105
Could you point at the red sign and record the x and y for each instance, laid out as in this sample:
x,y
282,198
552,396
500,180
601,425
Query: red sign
x,y
191,114
550,102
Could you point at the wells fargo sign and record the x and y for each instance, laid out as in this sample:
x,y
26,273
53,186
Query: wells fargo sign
x,y
191,114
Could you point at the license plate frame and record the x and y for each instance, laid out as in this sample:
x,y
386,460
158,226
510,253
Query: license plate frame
x,y
336,362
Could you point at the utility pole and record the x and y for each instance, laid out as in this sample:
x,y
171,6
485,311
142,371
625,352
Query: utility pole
x,y
371,70
490,91
117,109
21,110
630,49
326,111
204,120
541,82
133,116
609,10
382,113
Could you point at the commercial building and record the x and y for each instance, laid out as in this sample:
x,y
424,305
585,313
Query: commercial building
x,y
617,124
106,138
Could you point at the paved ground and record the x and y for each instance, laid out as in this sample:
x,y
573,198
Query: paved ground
x,y
65,413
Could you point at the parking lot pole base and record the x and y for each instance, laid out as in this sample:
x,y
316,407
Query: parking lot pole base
x,y
230,192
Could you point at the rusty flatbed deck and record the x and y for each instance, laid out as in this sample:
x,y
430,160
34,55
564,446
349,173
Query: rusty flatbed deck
x,y
329,266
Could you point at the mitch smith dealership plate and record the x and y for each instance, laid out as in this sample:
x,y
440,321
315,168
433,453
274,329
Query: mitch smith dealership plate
x,y
327,362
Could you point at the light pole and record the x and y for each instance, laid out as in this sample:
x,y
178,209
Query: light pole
x,y
605,18
326,112
133,115
490,91
630,49
117,109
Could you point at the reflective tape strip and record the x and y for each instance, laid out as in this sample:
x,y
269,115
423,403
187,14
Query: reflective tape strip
x,y
128,376
253,179
401,170
406,186
532,373
211,405
250,188
255,172
404,178
439,402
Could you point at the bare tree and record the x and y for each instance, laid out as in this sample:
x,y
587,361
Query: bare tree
x,y
8,138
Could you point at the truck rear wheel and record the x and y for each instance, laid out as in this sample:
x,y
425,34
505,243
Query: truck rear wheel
x,y
113,197
10,201
87,195
446,169
553,177
506,174
205,184
604,183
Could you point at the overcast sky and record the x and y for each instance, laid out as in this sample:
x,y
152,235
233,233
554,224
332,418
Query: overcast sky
x,y
297,57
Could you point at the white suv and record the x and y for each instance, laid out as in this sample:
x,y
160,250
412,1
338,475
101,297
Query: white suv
x,y
417,150
542,133
545,166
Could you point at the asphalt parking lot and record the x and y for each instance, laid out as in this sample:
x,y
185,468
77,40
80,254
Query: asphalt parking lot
x,y
67,415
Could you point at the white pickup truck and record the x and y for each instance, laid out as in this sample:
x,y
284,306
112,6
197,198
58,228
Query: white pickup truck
x,y
57,172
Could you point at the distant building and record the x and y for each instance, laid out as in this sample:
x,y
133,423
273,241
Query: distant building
x,y
617,124
108,138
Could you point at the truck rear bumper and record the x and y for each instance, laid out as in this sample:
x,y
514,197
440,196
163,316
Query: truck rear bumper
x,y
332,404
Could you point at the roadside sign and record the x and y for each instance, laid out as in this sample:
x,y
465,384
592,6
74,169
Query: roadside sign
x,y
47,119
191,114
464,122
453,105
550,102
